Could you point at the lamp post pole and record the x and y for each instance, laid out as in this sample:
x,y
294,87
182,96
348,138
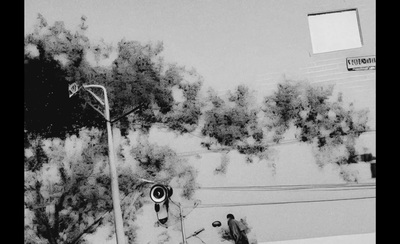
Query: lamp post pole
x,y
119,226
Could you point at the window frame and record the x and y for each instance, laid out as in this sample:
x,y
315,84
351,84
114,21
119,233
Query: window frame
x,y
333,12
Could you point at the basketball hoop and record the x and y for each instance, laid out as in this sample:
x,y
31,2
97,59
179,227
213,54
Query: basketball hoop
x,y
72,89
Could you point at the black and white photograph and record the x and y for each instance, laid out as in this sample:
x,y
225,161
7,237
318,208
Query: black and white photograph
x,y
199,121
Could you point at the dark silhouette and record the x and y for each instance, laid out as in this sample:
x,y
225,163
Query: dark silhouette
x,y
237,230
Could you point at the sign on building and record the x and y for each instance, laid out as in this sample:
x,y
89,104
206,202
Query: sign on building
x,y
361,63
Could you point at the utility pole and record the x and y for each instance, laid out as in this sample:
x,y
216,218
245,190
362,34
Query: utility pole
x,y
182,224
181,219
160,194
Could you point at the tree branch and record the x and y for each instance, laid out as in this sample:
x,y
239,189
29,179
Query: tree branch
x,y
127,113
135,197
44,220
57,210
89,227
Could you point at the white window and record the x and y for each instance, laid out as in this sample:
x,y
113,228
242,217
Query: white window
x,y
333,31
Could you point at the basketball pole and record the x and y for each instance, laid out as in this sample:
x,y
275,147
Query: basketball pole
x,y
119,225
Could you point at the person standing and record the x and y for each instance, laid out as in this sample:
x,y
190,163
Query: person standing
x,y
237,230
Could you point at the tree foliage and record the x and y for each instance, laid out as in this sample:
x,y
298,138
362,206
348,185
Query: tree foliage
x,y
67,196
234,123
62,195
161,164
238,123
137,78
67,185
54,58
325,123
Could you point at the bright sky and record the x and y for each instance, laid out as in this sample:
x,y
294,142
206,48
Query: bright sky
x,y
229,43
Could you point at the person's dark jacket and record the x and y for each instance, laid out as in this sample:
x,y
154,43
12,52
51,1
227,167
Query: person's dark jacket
x,y
237,230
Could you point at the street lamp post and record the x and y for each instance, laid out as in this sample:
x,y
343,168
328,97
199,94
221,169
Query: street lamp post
x,y
119,227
